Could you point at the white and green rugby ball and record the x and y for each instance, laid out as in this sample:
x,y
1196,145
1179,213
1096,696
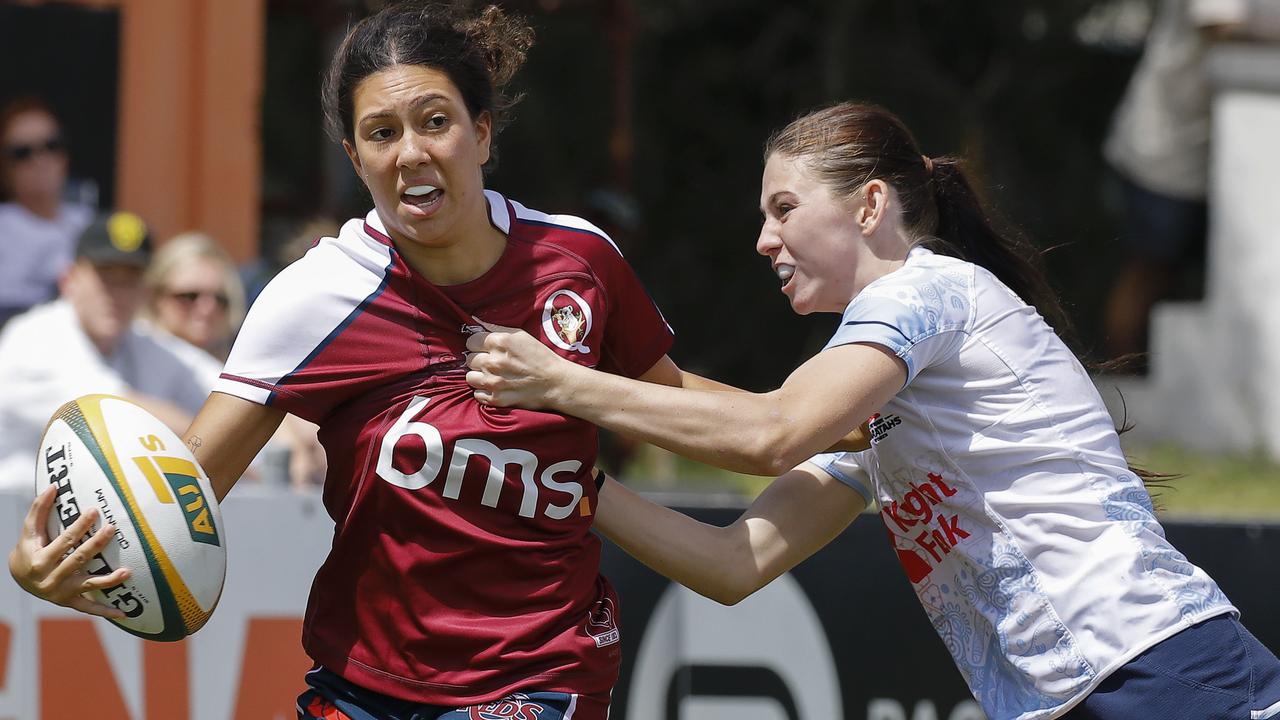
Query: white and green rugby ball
x,y
106,452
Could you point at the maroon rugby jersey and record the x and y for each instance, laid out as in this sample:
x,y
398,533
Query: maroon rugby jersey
x,y
462,565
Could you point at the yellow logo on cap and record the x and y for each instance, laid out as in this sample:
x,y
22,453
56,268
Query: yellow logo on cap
x,y
126,231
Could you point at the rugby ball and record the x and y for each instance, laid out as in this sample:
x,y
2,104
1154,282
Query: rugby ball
x,y
106,452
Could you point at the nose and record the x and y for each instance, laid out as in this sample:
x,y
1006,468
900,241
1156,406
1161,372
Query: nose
x,y
414,151
768,242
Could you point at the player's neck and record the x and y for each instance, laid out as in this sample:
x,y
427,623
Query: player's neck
x,y
458,262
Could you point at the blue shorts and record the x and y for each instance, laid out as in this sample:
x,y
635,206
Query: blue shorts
x,y
330,697
1214,669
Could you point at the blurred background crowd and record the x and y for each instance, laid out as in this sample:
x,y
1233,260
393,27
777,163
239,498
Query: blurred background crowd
x,y
161,161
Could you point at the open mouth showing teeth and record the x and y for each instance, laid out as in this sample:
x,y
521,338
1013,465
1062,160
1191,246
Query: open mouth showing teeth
x,y
422,195
785,272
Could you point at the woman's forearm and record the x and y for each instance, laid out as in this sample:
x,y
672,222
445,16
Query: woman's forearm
x,y
707,559
795,516
740,431
758,433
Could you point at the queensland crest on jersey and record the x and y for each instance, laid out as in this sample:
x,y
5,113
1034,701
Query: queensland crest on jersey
x,y
602,624
566,319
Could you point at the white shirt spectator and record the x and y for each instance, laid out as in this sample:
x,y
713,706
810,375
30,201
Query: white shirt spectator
x,y
46,359
1160,133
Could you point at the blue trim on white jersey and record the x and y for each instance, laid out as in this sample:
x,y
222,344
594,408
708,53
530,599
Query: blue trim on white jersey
x,y
920,303
342,326
830,463
877,322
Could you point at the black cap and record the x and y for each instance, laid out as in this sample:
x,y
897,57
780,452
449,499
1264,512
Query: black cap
x,y
116,238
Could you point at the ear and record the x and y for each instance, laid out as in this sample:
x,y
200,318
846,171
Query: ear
x,y
484,135
354,157
874,206
72,278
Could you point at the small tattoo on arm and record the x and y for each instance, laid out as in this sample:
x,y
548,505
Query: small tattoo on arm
x,y
194,443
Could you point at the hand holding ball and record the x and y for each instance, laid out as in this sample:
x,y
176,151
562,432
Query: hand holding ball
x,y
107,453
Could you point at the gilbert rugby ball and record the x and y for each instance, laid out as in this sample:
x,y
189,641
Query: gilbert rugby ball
x,y
106,452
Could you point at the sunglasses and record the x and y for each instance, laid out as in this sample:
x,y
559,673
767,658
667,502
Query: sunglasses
x,y
26,151
190,297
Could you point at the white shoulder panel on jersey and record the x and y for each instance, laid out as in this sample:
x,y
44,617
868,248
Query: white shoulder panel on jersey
x,y
920,311
303,308
572,222
844,466
498,214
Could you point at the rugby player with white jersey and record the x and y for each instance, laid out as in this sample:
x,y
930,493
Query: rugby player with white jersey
x,y
463,579
1031,543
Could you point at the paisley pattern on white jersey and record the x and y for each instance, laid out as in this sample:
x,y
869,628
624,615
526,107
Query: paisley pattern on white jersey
x,y
1033,548
920,305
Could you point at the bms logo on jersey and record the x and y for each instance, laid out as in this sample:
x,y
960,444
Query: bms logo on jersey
x,y
557,480
880,425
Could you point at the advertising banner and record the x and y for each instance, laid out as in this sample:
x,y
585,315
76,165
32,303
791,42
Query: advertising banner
x,y
841,636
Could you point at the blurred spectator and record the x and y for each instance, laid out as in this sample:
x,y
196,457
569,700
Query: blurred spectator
x,y
88,341
307,461
38,229
194,292
1159,148
300,239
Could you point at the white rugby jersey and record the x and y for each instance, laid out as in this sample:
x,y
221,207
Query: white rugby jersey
x,y
1032,546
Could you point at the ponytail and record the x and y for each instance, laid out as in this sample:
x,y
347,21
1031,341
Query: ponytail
x,y
966,228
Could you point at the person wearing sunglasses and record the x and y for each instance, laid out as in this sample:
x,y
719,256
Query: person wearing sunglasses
x,y
194,292
90,340
38,228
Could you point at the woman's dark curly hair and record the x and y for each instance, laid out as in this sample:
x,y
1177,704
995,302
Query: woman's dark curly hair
x,y
479,52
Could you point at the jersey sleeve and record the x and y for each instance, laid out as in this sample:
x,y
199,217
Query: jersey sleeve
x,y
299,346
636,334
844,466
920,314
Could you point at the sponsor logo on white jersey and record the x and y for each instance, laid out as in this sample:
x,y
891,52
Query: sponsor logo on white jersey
x,y
880,425
919,533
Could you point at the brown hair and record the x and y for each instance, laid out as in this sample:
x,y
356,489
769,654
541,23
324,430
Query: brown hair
x,y
480,53
850,144
19,106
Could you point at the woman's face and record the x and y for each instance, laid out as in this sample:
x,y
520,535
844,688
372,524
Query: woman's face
x,y
810,237
35,163
420,154
193,304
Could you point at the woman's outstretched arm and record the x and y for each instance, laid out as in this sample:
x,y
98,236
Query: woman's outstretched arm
x,y
796,515
761,433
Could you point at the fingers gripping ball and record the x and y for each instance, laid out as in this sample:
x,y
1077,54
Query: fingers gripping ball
x,y
106,452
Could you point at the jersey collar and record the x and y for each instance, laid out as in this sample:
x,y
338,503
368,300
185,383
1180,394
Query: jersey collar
x,y
501,215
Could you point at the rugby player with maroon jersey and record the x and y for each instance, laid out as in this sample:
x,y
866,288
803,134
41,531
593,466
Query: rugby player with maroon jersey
x,y
463,580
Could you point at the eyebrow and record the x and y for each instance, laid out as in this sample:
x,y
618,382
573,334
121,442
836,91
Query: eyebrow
x,y
417,103
773,199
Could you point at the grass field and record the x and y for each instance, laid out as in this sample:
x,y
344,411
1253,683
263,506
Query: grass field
x,y
1214,486
1229,487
